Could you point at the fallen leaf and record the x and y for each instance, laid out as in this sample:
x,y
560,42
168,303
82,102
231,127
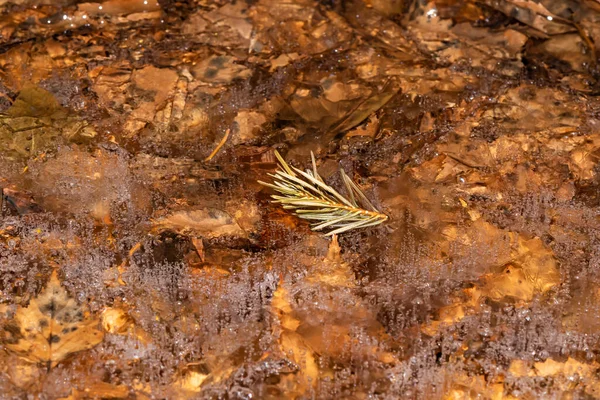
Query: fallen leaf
x,y
568,48
191,381
333,270
364,109
51,327
565,374
100,390
291,343
33,101
220,70
206,222
22,373
159,82
512,282
462,386
247,126
446,316
533,14
118,322
282,309
115,320
76,181
36,122
116,7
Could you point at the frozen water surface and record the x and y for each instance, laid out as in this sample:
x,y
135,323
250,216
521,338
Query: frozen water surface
x,y
140,258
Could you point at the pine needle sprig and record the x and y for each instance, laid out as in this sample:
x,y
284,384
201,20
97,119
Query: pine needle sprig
x,y
310,198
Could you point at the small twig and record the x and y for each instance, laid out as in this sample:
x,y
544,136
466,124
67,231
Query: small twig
x,y
221,144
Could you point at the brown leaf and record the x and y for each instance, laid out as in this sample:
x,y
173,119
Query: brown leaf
x,y
116,7
190,382
36,122
517,269
205,222
51,327
512,282
100,390
365,108
291,343
158,81
568,48
247,126
220,70
282,308
118,322
115,320
564,374
466,386
35,102
333,270
533,14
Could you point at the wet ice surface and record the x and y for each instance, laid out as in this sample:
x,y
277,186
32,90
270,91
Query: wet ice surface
x,y
135,265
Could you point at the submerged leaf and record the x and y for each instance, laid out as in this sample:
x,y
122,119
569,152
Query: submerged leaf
x,y
291,344
33,101
36,122
365,108
207,222
51,327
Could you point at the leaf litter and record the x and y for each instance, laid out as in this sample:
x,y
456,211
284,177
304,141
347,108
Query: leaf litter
x,y
132,137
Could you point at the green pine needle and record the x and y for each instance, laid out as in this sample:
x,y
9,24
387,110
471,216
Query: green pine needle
x,y
311,198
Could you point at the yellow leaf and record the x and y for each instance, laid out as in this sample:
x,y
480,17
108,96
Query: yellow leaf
x,y
22,373
333,271
51,327
447,316
291,344
512,282
100,390
35,102
282,308
205,222
294,346
115,320
194,380
564,374
463,386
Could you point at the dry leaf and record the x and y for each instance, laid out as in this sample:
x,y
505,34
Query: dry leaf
x,y
35,102
115,7
22,373
51,327
36,123
115,320
206,222
220,70
447,316
190,382
100,390
512,282
333,270
247,126
291,343
463,386
533,14
565,374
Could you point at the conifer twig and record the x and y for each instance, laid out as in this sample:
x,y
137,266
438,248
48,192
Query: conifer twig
x,y
310,198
